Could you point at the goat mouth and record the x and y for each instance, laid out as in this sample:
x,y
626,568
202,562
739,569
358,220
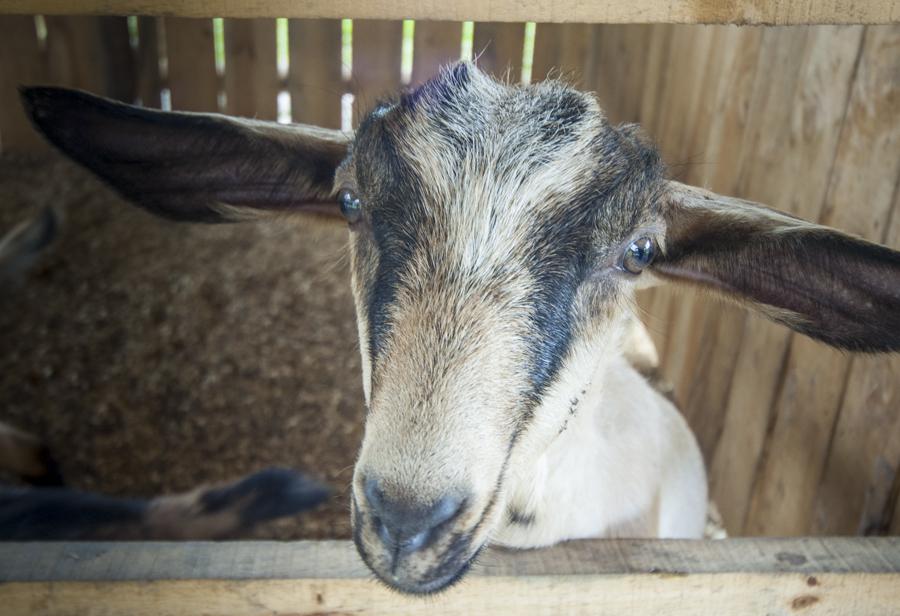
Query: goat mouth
x,y
447,573
428,572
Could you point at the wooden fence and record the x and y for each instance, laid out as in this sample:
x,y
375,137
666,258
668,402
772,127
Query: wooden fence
x,y
837,576
799,439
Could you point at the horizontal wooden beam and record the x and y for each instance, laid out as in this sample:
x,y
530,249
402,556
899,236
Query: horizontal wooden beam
x,y
859,576
781,12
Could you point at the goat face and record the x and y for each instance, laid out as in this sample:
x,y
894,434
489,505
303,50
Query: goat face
x,y
489,228
496,235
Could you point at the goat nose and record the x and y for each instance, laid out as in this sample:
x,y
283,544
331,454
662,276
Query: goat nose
x,y
404,525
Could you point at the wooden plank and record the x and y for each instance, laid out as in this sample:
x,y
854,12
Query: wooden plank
x,y
859,488
91,53
785,161
376,63
192,65
251,70
149,81
834,576
702,327
609,74
667,117
862,473
314,76
621,56
742,12
725,113
809,400
561,52
21,63
498,47
435,44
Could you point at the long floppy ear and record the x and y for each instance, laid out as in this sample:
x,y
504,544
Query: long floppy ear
x,y
836,288
192,166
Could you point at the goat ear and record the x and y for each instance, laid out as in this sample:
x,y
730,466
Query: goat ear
x,y
836,288
192,166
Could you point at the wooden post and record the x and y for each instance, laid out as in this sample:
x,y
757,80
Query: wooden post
x,y
376,62
192,65
676,578
562,51
744,12
251,71
497,48
435,44
314,75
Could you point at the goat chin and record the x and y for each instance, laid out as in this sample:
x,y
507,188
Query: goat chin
x,y
627,466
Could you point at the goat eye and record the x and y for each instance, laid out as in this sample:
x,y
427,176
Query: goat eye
x,y
351,207
639,255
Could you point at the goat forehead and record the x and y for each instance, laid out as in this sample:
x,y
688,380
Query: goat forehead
x,y
463,134
463,146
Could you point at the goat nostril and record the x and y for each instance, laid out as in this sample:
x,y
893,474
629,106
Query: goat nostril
x,y
373,493
445,509
384,533
416,542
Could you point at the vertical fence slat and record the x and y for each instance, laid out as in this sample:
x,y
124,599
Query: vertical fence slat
x,y
498,48
561,51
21,63
192,75
609,74
251,68
376,61
864,459
314,76
809,400
149,83
677,101
698,329
863,466
786,164
435,44
759,365
91,53
712,328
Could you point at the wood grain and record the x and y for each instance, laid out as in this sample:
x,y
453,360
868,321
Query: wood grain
x,y
784,160
859,576
562,51
93,54
376,63
860,486
435,44
251,71
192,66
816,377
742,12
314,76
497,48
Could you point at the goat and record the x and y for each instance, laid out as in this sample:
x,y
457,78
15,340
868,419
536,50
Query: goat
x,y
53,512
497,236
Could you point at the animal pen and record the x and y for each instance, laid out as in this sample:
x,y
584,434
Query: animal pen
x,y
774,102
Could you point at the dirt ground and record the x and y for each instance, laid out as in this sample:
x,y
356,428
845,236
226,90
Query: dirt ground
x,y
153,356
